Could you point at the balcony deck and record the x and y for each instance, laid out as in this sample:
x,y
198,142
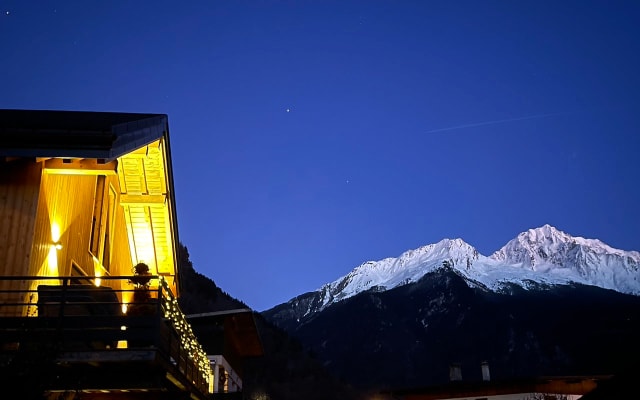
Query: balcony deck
x,y
61,337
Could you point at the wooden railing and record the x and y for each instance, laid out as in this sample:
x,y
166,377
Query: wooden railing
x,y
78,320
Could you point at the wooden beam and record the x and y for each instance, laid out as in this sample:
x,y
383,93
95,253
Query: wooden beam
x,y
86,166
143,199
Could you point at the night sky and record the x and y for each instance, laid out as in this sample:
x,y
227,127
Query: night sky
x,y
311,136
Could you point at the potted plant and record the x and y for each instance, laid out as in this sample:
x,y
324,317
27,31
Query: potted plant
x,y
142,303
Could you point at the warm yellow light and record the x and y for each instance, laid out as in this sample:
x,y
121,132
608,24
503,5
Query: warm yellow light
x,y
57,246
52,262
55,232
97,270
124,308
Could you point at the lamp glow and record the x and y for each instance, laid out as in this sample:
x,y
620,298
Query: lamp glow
x,y
55,232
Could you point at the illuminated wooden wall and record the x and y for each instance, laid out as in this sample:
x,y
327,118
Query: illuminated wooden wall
x,y
65,215
47,209
145,197
19,188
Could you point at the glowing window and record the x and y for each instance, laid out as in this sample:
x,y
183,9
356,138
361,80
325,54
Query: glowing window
x,y
102,227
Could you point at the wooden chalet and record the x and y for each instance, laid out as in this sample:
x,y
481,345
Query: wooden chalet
x,y
228,337
85,197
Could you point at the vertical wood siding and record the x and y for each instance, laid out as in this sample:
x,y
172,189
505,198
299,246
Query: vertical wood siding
x,y
19,188
68,201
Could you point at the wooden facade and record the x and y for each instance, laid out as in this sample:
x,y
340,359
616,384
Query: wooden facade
x,y
18,207
102,215
85,196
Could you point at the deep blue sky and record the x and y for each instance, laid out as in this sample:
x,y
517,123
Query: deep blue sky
x,y
272,203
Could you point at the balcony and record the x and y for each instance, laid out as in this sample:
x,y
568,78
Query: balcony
x,y
99,336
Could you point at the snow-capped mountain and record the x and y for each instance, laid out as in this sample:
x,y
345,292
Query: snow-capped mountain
x,y
540,257
391,272
538,306
550,252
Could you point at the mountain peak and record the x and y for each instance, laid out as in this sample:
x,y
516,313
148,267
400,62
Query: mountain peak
x,y
532,245
551,253
545,232
390,272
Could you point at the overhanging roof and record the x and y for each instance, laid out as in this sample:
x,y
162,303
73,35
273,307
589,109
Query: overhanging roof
x,y
77,134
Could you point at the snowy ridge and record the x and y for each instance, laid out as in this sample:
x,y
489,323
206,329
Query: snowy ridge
x,y
541,256
391,272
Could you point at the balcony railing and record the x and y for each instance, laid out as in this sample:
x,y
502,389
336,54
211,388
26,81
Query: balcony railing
x,y
80,322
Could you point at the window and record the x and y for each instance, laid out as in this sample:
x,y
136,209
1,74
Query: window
x,y
102,225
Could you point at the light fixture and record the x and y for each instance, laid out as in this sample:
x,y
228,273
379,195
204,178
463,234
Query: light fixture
x,y
57,245
97,282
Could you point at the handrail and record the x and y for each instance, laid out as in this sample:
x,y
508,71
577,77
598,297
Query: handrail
x,y
37,299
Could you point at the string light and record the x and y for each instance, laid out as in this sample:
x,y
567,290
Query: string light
x,y
188,339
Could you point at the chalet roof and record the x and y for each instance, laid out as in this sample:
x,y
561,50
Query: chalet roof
x,y
77,134
575,385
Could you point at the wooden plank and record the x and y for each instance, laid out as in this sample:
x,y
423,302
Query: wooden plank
x,y
143,200
19,189
80,167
